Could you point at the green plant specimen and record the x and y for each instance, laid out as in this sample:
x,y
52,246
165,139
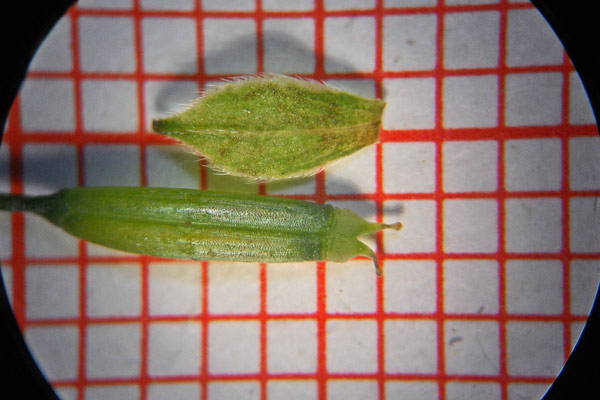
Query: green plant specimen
x,y
274,127
204,225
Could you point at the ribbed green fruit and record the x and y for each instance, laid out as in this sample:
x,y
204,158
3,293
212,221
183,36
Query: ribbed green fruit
x,y
203,225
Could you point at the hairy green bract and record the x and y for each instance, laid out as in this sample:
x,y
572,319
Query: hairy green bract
x,y
273,127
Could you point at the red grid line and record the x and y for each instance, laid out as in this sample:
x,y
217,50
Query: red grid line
x,y
320,197
297,13
82,248
231,378
380,317
263,314
204,339
18,258
439,220
144,264
204,342
387,136
502,313
329,75
386,255
333,375
304,377
264,318
389,315
81,260
565,213
438,135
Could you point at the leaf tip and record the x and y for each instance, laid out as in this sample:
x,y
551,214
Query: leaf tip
x,y
159,125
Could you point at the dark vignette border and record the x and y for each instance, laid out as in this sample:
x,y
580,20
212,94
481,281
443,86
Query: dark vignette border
x,y
23,26
577,26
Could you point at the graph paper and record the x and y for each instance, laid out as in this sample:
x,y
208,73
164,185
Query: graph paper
x,y
489,155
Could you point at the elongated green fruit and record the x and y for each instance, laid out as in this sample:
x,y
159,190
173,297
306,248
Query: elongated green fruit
x,y
204,225
273,127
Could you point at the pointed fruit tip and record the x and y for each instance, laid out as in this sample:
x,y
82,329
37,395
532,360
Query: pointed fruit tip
x,y
397,226
378,269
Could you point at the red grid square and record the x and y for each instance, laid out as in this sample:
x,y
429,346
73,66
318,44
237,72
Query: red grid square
x,y
375,323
